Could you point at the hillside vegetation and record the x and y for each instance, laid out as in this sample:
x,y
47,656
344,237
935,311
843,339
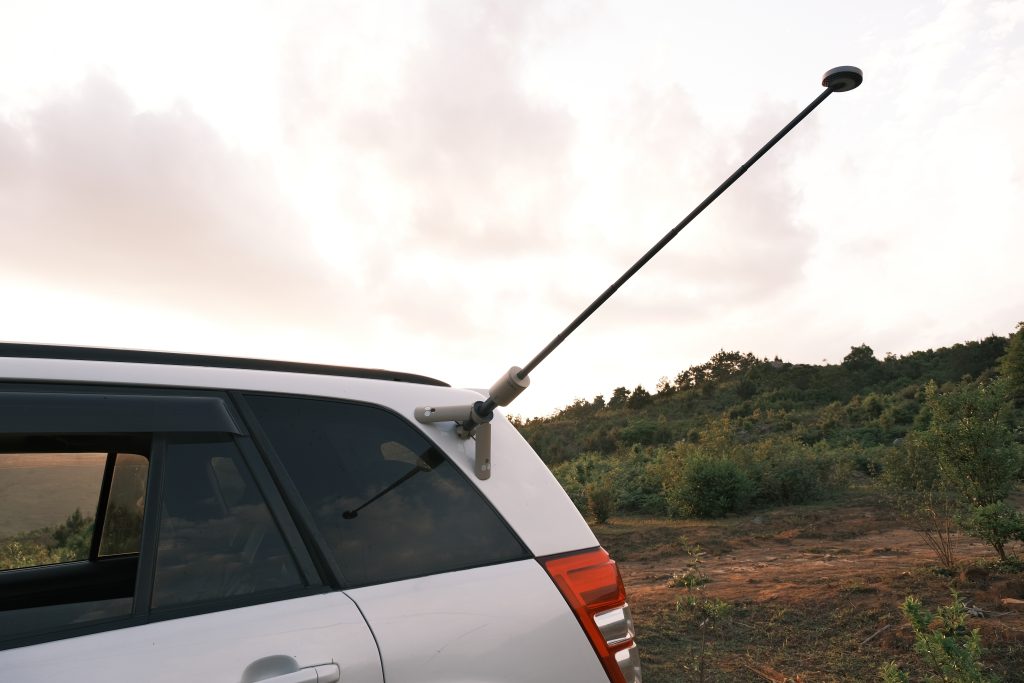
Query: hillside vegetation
x,y
740,432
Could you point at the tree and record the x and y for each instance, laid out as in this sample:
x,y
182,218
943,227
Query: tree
x,y
746,388
619,397
860,358
972,441
924,498
1011,366
639,398
962,465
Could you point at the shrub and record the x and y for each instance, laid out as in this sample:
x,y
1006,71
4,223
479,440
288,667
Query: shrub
x,y
787,472
566,475
867,461
701,485
971,441
638,480
600,499
643,432
996,524
589,480
923,498
66,542
950,652
75,534
961,466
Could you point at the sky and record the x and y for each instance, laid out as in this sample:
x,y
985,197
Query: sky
x,y
441,187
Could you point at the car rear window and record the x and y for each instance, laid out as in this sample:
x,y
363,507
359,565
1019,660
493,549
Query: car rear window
x,y
388,503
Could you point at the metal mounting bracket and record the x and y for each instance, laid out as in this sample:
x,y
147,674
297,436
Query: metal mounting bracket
x,y
479,430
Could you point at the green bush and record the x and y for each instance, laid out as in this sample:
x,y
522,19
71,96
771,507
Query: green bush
x,y
698,484
589,481
948,651
961,466
787,472
600,499
75,534
971,441
866,461
787,480
996,524
643,432
66,542
638,480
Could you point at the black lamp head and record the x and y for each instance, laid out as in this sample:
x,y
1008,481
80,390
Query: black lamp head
x,y
842,78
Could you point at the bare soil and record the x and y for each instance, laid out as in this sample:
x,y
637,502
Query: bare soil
x,y
813,594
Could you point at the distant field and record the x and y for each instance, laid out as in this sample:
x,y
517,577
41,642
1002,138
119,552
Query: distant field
x,y
41,490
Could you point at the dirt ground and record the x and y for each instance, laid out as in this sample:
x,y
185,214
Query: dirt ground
x,y
811,593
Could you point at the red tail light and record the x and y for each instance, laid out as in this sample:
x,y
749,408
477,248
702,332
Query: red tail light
x,y
591,584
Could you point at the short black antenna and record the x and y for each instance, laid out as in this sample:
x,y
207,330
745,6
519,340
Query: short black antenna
x,y
471,418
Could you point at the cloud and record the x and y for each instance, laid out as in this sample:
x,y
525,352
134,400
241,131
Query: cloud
x,y
448,171
747,248
149,206
919,222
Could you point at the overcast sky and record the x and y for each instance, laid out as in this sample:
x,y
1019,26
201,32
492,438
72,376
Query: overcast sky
x,y
440,187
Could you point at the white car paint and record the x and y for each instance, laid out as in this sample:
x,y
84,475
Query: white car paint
x,y
501,624
214,648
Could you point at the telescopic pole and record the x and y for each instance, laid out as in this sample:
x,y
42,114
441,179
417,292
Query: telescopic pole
x,y
839,79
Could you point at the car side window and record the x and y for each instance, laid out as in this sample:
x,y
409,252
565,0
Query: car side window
x,y
145,509
217,536
389,505
47,507
125,504
57,493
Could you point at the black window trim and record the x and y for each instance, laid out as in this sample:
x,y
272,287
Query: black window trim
x,y
280,513
141,613
99,519
145,576
111,411
301,513
323,560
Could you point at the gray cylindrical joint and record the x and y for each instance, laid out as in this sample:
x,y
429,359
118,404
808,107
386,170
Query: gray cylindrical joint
x,y
430,414
509,386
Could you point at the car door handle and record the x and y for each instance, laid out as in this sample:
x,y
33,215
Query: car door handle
x,y
325,673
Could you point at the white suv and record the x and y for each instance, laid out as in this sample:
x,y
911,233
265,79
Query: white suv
x,y
180,518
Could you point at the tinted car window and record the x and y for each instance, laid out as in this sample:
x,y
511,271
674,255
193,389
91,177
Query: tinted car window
x,y
389,504
122,523
57,493
47,506
217,537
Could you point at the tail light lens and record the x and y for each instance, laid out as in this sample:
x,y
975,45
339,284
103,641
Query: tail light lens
x,y
591,584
